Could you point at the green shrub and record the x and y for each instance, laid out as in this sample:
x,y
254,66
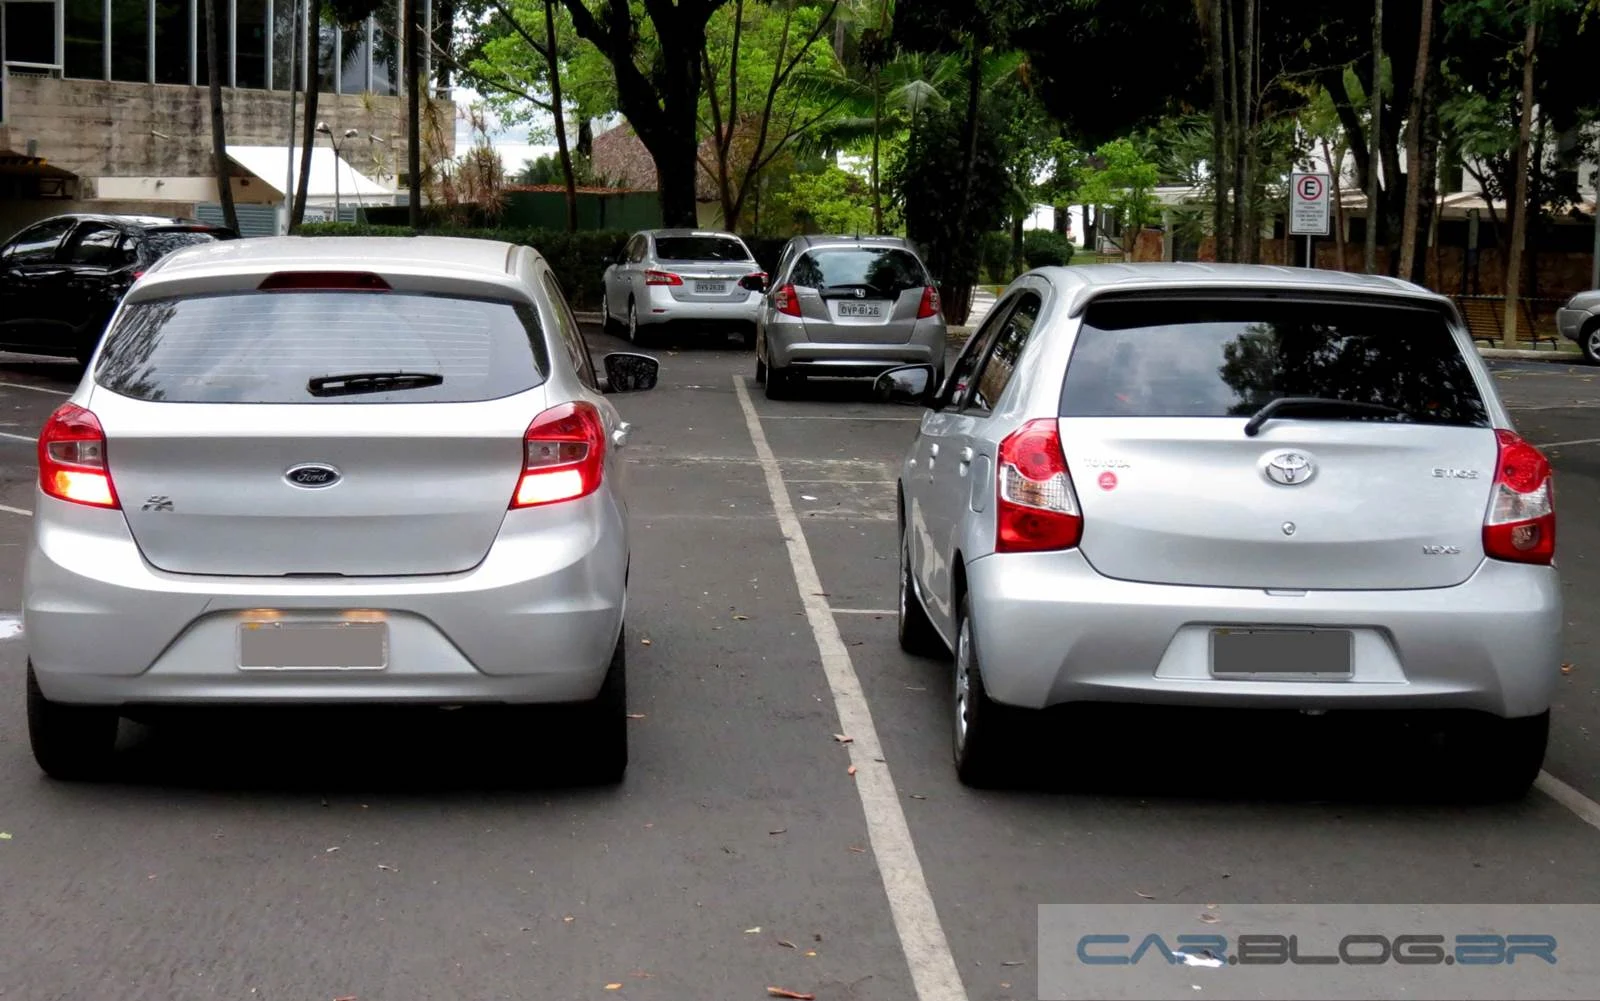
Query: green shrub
x,y
1044,248
578,259
996,254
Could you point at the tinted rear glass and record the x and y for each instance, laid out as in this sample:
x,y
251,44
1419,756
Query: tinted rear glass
x,y
885,270
164,242
700,248
265,347
1180,358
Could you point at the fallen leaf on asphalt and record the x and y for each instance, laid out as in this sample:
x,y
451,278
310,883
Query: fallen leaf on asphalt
x,y
567,919
787,944
841,738
1146,896
1211,907
779,992
347,997
333,849
5,835
613,987
1566,668
807,497
1013,962
645,642
388,868
741,618
753,931
781,830
858,851
1210,919
918,796
636,715
1004,985
811,953
915,688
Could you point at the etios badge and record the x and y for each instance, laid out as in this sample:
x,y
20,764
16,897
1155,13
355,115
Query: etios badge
x,y
313,475
1289,469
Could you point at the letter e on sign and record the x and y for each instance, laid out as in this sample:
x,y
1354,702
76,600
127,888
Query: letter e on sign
x,y
1108,480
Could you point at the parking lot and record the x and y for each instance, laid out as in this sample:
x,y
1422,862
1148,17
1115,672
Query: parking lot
x,y
324,858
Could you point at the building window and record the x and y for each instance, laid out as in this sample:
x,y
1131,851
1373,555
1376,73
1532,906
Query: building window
x,y
353,66
386,51
285,44
30,33
251,38
130,40
86,39
172,41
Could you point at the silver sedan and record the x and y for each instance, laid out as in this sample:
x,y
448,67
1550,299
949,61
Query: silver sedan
x,y
700,282
1229,486
285,481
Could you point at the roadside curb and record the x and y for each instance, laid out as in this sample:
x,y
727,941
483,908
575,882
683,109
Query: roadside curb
x,y
1519,354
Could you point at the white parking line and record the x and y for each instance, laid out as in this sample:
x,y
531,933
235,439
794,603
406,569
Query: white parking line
x,y
916,920
864,611
36,389
822,417
30,439
8,509
1587,809
1563,444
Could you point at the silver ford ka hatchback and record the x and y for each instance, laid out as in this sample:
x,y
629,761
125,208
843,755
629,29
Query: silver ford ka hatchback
x,y
1229,486
311,471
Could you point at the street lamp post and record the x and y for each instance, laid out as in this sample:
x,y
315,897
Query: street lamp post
x,y
322,129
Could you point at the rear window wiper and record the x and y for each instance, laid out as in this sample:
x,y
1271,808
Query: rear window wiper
x,y
371,382
1314,404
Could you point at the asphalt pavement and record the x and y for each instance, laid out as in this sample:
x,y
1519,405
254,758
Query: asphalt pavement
x,y
405,859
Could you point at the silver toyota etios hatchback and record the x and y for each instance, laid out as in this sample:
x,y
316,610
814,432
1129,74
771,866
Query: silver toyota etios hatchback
x,y
332,470
1229,486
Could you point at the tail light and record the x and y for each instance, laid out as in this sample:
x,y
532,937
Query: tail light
x,y
1038,509
786,301
324,281
564,454
1521,523
138,275
661,278
930,303
72,459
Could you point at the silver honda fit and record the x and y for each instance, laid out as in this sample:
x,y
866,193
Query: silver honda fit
x,y
1229,485
332,470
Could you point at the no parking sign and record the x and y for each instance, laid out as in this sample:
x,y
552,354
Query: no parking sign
x,y
1308,205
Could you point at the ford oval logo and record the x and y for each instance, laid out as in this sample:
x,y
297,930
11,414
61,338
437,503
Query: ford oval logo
x,y
313,475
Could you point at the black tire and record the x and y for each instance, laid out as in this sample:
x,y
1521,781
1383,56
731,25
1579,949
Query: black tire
x,y
917,635
780,384
608,323
761,371
636,334
1497,760
601,725
1589,342
70,743
749,339
987,749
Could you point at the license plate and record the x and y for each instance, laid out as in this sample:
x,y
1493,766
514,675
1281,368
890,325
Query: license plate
x,y
872,309
313,646
711,288
1289,654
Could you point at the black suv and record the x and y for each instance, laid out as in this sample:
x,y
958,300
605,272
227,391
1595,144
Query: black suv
x,y
61,279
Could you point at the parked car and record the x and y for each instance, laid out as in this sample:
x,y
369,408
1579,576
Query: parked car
x,y
61,279
1579,322
695,281
847,307
284,481
1229,486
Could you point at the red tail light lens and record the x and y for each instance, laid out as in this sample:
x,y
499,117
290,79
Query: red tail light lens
x,y
343,281
661,278
786,301
930,303
72,459
564,453
1037,508
1520,526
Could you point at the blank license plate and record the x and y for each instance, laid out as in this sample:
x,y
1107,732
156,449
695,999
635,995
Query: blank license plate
x,y
860,309
313,646
711,288
1282,653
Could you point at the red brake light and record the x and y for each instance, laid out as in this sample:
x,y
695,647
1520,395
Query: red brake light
x,y
1520,525
564,454
661,278
1037,509
786,301
930,303
138,275
72,459
343,281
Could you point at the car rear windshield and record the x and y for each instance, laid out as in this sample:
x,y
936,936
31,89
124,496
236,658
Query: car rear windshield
x,y
878,269
700,248
1187,358
164,241
268,347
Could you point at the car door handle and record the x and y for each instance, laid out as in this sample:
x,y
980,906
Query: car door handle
x,y
620,436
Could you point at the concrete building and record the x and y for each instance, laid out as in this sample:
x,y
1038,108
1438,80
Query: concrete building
x,y
104,106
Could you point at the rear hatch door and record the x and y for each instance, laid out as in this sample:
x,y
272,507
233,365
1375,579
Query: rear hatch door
x,y
1154,409
859,294
231,459
709,267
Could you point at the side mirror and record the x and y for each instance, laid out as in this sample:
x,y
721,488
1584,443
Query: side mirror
x,y
909,385
630,373
755,282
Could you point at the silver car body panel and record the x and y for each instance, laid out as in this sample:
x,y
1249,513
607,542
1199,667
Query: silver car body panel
x,y
1574,316
482,602
710,289
1192,535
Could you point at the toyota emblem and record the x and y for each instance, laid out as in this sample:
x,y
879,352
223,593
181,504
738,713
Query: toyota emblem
x,y
1289,469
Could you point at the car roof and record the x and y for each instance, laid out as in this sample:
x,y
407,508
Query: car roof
x,y
691,232
1082,283
140,221
831,240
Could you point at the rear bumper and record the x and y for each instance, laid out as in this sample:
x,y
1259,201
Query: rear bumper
x,y
1050,630
787,347
536,621
662,308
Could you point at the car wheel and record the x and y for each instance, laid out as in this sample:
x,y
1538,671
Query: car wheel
x,y
70,743
636,336
917,635
761,371
608,321
1497,759
779,384
750,340
1591,343
986,735
601,726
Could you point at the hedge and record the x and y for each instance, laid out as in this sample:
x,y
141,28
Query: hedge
x,y
578,259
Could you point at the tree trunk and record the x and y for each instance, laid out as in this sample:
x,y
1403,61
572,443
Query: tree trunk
x,y
1374,137
585,139
1415,126
877,129
1335,158
1250,252
219,132
313,86
1519,223
969,137
294,96
1018,258
1236,134
413,112
552,56
1219,132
